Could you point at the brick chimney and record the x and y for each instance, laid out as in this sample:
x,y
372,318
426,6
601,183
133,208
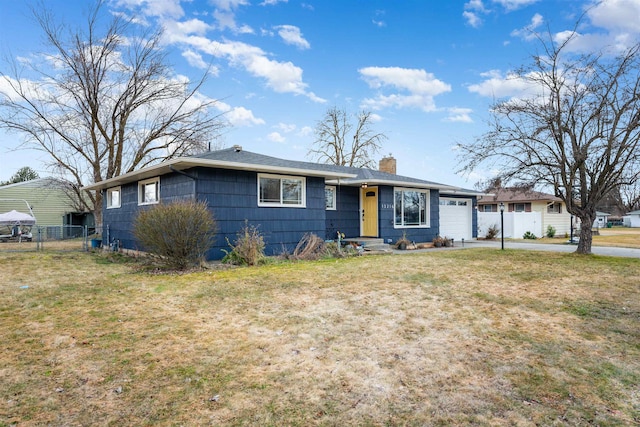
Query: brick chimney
x,y
388,164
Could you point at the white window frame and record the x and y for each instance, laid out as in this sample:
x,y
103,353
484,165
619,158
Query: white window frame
x,y
141,191
281,203
427,208
110,191
331,188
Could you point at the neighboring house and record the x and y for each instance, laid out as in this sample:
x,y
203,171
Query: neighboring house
x,y
601,219
285,199
524,210
49,203
631,219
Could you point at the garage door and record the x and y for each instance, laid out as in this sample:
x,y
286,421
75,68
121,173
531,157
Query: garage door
x,y
455,218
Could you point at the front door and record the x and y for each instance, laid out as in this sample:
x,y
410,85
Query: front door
x,y
369,212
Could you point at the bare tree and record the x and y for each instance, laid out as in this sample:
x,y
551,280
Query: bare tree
x,y
103,102
578,134
336,145
630,195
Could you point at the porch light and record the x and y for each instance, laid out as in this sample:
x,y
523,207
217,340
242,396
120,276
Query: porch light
x,y
364,185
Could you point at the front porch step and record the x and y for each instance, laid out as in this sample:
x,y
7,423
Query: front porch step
x,y
369,244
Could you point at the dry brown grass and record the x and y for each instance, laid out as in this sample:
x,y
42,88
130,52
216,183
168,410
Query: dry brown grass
x,y
472,337
620,237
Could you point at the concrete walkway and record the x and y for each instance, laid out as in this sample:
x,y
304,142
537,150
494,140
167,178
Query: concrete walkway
x,y
596,250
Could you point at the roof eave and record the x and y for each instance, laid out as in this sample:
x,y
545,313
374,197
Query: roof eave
x,y
186,163
391,182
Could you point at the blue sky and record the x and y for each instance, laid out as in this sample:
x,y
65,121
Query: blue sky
x,y
428,70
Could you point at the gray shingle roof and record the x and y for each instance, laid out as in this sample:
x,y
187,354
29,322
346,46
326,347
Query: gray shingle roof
x,y
237,158
235,155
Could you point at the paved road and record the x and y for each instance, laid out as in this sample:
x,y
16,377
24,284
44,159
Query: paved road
x,y
597,250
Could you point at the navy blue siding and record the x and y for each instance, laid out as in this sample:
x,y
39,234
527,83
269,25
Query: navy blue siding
x,y
386,218
118,223
346,217
232,196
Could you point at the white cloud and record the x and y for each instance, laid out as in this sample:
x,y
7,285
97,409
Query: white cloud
x,y
511,5
292,36
472,19
286,128
229,4
305,131
195,60
616,15
238,116
472,11
459,115
227,20
528,32
475,5
501,86
272,2
419,87
282,77
160,8
276,137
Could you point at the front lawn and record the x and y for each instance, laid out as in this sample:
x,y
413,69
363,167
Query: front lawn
x,y
466,337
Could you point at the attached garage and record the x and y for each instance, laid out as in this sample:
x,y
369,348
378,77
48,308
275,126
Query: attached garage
x,y
456,218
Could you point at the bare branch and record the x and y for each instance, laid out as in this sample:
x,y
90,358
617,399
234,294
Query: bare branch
x,y
103,101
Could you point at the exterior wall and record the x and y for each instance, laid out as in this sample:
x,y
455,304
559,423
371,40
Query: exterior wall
x,y
49,204
632,220
560,221
388,232
233,198
346,217
118,222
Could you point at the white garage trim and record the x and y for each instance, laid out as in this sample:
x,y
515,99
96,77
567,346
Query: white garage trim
x,y
456,218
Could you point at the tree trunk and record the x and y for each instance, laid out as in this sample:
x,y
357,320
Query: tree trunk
x,y
584,244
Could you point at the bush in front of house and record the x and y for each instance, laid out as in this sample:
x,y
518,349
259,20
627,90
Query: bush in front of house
x,y
247,249
178,233
551,231
529,236
492,232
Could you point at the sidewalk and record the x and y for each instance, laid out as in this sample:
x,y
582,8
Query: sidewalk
x,y
596,250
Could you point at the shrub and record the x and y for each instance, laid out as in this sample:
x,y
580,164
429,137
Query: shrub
x,y
178,233
492,232
529,235
310,247
248,248
551,231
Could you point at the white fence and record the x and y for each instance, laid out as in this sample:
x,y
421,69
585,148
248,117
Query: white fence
x,y
515,223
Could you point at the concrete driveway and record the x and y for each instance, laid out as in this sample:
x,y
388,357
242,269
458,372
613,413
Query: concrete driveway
x,y
597,250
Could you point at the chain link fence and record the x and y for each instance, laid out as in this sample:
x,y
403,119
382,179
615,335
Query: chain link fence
x,y
49,238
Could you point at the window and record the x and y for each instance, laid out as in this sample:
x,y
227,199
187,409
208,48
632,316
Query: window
x,y
330,198
411,208
489,208
149,191
285,191
554,208
519,207
113,198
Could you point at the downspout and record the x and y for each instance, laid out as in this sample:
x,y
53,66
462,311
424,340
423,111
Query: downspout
x,y
195,180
